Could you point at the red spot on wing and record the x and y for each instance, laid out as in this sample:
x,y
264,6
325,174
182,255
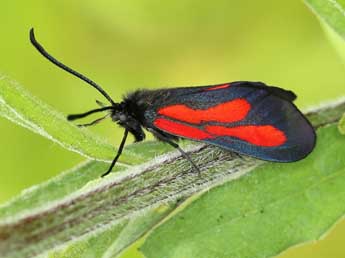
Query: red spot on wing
x,y
261,135
181,129
227,112
218,87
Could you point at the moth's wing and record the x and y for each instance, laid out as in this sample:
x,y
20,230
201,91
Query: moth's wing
x,y
246,117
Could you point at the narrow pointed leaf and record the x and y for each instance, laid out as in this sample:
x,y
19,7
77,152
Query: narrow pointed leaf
x,y
332,12
20,107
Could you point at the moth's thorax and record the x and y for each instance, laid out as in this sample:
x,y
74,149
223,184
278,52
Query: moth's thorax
x,y
135,105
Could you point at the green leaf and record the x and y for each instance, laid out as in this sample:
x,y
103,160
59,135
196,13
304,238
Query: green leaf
x,y
57,188
341,125
77,209
332,16
20,107
17,105
336,40
114,239
94,246
111,240
110,201
264,212
332,12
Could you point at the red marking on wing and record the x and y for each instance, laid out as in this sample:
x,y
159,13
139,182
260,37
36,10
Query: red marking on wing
x,y
218,87
227,112
181,129
261,135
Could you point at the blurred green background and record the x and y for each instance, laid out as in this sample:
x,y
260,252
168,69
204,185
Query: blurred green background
x,y
124,45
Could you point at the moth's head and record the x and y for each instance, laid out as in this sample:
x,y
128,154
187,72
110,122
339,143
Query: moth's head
x,y
118,113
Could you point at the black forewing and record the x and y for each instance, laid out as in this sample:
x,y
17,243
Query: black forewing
x,y
269,106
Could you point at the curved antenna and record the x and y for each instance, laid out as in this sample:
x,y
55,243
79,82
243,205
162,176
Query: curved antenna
x,y
40,49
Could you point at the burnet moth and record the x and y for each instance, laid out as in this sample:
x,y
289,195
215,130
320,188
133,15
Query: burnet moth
x,y
249,118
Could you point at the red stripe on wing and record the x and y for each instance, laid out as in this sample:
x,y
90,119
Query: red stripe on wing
x,y
261,135
218,87
181,129
227,112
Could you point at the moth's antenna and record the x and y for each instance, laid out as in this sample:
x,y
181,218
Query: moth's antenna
x,y
40,49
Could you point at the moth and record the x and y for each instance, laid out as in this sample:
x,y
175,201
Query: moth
x,y
246,117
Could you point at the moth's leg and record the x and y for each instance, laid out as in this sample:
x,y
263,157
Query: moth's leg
x,y
134,127
176,146
239,156
124,138
93,122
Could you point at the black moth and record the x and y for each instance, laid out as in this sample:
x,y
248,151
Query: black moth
x,y
246,117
